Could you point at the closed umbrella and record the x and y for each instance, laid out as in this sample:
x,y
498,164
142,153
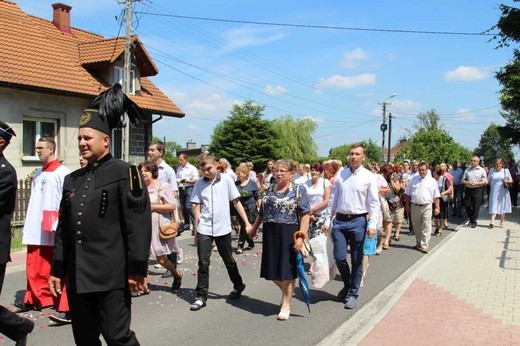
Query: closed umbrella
x,y
302,275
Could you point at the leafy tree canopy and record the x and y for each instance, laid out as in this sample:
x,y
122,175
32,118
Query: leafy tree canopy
x,y
492,146
245,136
296,138
373,152
509,75
431,143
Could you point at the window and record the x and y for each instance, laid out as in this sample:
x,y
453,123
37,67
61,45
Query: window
x,y
33,130
119,73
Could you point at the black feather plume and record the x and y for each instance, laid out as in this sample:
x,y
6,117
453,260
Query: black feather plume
x,y
112,105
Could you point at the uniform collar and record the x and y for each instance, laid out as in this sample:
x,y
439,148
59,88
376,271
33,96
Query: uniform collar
x,y
101,161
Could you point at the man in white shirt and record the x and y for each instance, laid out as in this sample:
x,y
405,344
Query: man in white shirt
x,y
210,199
187,175
356,195
420,194
156,151
39,229
474,180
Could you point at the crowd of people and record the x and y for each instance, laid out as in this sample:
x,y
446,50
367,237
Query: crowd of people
x,y
290,202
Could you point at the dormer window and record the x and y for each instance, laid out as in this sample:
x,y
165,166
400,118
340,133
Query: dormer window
x,y
119,73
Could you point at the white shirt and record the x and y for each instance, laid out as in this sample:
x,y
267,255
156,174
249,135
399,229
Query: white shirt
x,y
429,192
214,198
44,206
315,192
357,193
475,175
300,179
167,175
188,172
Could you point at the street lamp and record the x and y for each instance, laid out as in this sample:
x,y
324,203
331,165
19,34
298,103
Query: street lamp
x,y
383,126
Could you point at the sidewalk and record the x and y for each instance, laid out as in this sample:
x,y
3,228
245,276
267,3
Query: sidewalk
x,y
465,292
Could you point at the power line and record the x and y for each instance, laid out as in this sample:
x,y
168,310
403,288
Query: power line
x,y
328,27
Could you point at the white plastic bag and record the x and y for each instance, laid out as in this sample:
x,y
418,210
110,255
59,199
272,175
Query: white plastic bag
x,y
323,267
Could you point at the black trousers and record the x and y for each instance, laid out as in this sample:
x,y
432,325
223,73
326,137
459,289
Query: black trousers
x,y
472,202
204,250
106,313
187,211
11,325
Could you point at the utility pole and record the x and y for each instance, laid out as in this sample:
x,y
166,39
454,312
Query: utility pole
x,y
383,129
389,134
127,67
383,126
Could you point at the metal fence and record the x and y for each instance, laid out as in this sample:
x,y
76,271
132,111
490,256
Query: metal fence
x,y
23,193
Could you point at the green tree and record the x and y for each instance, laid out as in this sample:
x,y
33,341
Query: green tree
x,y
509,75
492,146
429,121
296,136
245,136
431,143
170,153
373,152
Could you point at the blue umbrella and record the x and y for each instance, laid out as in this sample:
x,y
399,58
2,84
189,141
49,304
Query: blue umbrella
x,y
302,275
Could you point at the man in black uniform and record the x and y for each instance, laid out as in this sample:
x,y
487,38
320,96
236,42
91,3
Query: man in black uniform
x,y
11,325
102,241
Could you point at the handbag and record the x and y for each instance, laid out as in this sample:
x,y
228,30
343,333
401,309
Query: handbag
x,y
169,230
445,198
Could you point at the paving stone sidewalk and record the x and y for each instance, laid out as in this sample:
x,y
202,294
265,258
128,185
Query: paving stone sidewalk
x,y
466,293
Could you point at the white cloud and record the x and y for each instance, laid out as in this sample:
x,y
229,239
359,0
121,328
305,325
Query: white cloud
x,y
347,82
275,90
466,73
251,36
351,59
192,127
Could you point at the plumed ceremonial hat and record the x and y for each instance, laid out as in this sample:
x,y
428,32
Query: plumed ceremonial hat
x,y
6,131
107,111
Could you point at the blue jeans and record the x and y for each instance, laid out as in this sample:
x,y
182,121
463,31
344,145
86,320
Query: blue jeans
x,y
349,232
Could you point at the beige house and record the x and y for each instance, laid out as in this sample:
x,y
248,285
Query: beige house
x,y
50,72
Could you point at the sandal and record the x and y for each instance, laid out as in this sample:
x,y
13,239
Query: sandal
x,y
490,226
438,234
386,247
396,238
283,315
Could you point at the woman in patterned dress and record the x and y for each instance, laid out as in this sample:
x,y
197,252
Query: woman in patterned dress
x,y
285,210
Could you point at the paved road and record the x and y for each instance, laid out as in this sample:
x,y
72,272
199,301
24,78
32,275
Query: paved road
x,y
162,318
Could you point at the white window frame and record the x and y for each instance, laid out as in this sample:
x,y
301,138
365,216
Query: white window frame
x,y
38,135
119,73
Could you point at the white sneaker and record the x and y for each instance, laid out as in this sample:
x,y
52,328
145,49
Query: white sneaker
x,y
157,265
180,256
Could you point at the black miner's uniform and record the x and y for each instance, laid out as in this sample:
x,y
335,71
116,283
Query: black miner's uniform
x,y
103,236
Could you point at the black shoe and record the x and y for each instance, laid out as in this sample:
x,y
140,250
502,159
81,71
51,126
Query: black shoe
x,y
473,225
61,318
342,295
176,285
197,305
22,307
237,292
250,247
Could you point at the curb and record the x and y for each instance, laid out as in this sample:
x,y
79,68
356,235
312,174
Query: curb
x,y
17,261
356,328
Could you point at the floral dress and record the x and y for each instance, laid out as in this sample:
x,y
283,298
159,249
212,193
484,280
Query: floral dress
x,y
280,213
161,193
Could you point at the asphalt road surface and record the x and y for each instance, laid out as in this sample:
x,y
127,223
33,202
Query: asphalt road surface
x,y
162,318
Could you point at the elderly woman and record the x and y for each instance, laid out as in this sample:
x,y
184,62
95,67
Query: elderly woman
x,y
250,199
163,204
499,200
285,210
318,192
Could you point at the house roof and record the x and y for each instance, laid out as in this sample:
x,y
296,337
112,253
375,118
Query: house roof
x,y
35,54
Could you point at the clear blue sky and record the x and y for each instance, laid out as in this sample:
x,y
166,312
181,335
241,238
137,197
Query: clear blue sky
x,y
337,77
